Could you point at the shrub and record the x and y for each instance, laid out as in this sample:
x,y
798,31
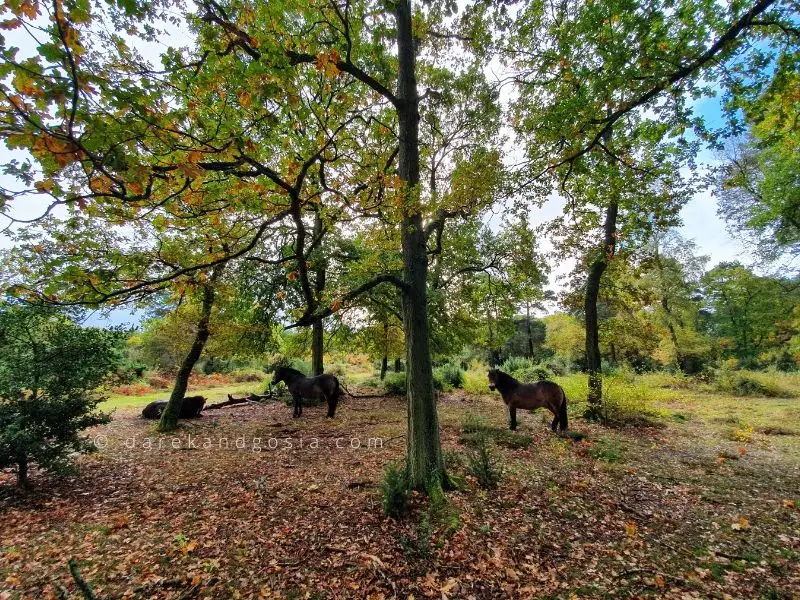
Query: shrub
x,y
395,490
476,382
160,381
533,374
482,465
515,363
338,369
395,383
631,403
741,383
452,375
50,368
246,376
559,365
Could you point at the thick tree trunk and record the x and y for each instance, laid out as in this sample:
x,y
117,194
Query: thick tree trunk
x,y
169,418
317,347
423,447
596,270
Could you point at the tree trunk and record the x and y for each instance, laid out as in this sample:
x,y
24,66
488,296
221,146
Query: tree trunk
x,y
398,365
385,359
596,270
317,347
317,327
22,469
169,418
530,330
423,447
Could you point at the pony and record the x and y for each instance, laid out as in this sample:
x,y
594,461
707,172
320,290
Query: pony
x,y
530,396
325,387
190,408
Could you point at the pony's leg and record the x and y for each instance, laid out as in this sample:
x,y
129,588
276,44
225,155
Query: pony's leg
x,y
333,400
512,413
555,422
297,409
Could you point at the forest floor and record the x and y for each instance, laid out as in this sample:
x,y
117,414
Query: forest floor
x,y
704,505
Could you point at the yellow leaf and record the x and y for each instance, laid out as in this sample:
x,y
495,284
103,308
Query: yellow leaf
x,y
189,547
741,524
631,528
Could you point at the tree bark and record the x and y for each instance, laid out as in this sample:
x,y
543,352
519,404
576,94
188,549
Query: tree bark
x,y
423,447
398,365
530,330
317,347
22,469
169,418
317,326
385,359
596,270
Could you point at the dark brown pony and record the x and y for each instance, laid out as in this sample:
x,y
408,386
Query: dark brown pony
x,y
322,387
531,396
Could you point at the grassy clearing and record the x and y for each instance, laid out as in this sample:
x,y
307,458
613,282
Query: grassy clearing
x,y
212,394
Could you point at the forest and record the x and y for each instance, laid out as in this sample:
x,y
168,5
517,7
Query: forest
x,y
426,215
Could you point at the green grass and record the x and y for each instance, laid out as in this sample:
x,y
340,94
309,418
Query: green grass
x,y
213,394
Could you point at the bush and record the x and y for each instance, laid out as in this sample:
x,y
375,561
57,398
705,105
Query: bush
x,y
742,383
476,382
395,490
515,363
451,375
533,374
395,383
338,369
482,465
631,403
49,370
559,365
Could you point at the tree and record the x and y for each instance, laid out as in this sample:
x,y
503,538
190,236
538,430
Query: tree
x,y
50,368
565,336
749,314
600,82
672,269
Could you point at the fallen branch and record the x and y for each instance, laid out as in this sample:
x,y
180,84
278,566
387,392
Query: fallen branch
x,y
231,401
84,588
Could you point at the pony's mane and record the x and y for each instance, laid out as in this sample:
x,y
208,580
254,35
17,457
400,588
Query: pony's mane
x,y
292,371
504,379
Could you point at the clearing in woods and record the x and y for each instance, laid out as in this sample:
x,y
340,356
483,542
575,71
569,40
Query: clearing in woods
x,y
706,505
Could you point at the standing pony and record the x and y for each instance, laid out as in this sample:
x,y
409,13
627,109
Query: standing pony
x,y
325,387
531,396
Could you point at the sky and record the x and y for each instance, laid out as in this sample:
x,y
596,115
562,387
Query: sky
x,y
699,216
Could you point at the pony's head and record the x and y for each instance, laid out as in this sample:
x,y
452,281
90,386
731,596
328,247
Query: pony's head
x,y
279,375
492,379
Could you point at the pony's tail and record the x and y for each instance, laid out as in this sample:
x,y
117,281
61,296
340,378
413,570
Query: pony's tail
x,y
562,413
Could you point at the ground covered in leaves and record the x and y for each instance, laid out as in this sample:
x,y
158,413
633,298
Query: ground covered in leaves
x,y
245,502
